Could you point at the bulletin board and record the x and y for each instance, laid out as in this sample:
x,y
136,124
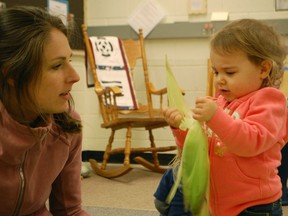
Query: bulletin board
x,y
76,7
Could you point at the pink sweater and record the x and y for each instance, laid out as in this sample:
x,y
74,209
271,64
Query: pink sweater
x,y
36,165
245,141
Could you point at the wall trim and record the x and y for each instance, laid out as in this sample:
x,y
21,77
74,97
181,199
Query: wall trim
x,y
173,30
77,52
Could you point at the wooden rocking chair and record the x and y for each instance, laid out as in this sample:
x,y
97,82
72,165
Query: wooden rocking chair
x,y
210,90
114,119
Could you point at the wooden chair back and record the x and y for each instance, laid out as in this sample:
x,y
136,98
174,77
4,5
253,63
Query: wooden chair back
x,y
135,51
284,84
210,90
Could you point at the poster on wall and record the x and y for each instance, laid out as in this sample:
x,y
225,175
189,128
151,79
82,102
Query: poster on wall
x,y
281,5
146,16
59,8
75,10
197,6
2,5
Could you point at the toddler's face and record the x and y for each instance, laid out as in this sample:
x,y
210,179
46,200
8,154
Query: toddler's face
x,y
234,75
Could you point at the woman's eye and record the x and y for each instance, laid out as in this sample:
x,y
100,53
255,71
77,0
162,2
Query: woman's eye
x,y
56,67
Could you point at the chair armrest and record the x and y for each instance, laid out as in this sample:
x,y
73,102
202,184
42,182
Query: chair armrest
x,y
115,90
107,99
153,91
162,91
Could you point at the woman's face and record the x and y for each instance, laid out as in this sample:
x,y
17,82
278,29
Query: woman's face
x,y
58,76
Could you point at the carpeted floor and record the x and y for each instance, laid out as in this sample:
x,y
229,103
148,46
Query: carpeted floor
x,y
131,194
102,211
128,195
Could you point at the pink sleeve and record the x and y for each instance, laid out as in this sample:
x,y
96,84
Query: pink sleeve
x,y
179,136
262,124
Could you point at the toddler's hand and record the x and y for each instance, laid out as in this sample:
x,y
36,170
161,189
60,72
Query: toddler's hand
x,y
204,109
172,116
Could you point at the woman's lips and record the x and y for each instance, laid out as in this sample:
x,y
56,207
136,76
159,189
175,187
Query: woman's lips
x,y
66,95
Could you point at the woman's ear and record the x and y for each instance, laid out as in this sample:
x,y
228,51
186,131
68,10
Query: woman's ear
x,y
266,67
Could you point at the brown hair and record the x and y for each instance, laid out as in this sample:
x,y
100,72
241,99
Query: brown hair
x,y
24,32
258,40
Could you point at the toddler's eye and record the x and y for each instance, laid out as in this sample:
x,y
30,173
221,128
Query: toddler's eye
x,y
230,73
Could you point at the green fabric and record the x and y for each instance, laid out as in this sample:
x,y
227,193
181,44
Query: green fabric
x,y
194,167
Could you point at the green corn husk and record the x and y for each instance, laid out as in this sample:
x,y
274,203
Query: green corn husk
x,y
175,97
194,168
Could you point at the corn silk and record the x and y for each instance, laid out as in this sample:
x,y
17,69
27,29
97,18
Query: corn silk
x,y
194,166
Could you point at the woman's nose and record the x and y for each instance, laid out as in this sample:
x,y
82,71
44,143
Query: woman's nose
x,y
73,76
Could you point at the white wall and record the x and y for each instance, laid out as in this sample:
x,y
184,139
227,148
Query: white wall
x,y
188,59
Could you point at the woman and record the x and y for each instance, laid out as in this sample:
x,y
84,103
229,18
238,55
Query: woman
x,y
40,134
